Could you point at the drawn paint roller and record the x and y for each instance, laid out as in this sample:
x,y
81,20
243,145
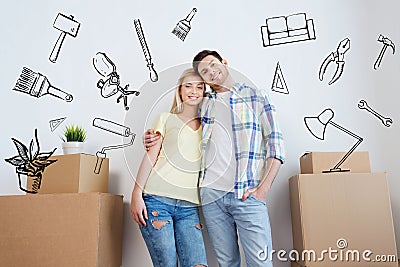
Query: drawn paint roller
x,y
146,52
67,25
37,85
113,128
183,27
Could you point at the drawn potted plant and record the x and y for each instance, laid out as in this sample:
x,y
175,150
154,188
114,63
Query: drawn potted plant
x,y
30,163
74,137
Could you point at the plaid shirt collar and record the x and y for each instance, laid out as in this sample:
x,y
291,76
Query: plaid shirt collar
x,y
212,94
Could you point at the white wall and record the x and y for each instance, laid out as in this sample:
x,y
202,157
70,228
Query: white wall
x,y
232,28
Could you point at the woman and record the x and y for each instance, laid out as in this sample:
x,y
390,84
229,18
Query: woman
x,y
165,197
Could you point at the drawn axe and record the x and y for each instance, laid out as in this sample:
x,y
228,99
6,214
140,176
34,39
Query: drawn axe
x,y
67,25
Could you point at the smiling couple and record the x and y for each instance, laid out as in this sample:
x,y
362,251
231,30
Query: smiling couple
x,y
241,153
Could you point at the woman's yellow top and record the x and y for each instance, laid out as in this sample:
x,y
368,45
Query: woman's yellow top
x,y
176,171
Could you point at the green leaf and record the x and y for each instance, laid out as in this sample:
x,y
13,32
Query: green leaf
x,y
74,133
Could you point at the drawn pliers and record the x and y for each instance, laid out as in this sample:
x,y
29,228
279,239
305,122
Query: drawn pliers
x,y
338,58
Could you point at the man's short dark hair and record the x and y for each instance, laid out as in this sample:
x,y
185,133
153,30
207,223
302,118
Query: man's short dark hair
x,y
199,57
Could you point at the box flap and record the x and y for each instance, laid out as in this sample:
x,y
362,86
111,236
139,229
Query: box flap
x,y
319,162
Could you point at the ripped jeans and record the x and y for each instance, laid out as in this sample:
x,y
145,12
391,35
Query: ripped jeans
x,y
173,230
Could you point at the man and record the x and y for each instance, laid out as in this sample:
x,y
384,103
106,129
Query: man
x,y
242,152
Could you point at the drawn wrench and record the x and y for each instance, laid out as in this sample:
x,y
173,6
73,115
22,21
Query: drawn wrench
x,y
386,121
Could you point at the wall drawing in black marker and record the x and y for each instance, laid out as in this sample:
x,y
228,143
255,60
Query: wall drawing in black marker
x,y
279,83
67,25
364,105
386,42
37,85
55,123
317,126
183,26
146,51
287,29
114,128
337,57
111,86
30,163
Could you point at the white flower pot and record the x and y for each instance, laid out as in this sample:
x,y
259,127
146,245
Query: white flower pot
x,y
72,147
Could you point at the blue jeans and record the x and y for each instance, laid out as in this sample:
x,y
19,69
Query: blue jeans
x,y
226,217
173,228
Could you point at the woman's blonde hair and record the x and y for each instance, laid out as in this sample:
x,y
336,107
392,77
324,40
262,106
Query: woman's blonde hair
x,y
177,104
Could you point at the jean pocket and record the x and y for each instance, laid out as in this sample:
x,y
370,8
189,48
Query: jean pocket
x,y
256,200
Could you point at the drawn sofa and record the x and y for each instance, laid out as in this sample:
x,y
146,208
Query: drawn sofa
x,y
289,29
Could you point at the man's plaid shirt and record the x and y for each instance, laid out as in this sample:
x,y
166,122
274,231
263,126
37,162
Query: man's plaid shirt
x,y
256,134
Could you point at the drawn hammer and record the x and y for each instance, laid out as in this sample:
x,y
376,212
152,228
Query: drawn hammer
x,y
386,42
67,25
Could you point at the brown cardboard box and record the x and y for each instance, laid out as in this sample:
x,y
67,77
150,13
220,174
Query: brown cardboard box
x,y
76,229
74,174
317,162
330,210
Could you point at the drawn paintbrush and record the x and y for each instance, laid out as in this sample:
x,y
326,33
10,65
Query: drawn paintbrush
x,y
37,85
183,26
145,48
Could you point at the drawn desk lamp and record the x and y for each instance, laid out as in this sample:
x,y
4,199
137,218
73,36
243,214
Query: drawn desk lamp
x,y
106,68
317,127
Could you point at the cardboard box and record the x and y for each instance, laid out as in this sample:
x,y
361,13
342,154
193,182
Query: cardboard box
x,y
343,212
77,229
317,162
74,174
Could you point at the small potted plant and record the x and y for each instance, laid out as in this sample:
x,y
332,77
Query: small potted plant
x,y
30,163
74,136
